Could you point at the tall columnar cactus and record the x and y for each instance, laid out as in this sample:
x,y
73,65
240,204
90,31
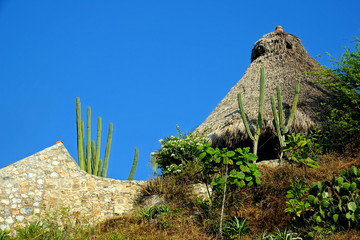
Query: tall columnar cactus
x,y
133,168
89,158
107,150
254,137
279,123
80,136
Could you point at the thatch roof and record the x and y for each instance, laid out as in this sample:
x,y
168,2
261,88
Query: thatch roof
x,y
285,61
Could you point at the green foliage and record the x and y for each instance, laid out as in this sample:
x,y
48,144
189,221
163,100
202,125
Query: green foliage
x,y
286,234
89,160
254,137
177,152
298,147
297,204
243,172
133,168
235,228
57,224
157,214
4,235
344,82
336,203
321,141
153,212
33,230
279,123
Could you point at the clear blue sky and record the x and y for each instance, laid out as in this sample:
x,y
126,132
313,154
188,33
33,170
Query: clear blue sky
x,y
143,65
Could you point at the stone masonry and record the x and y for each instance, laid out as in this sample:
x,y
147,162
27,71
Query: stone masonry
x,y
52,177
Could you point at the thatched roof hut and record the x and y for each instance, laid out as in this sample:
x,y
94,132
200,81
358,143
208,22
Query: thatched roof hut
x,y
285,61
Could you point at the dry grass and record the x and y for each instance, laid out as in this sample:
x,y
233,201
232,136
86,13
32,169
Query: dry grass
x,y
263,206
131,227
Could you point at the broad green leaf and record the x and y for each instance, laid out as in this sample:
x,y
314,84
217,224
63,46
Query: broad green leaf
x,y
325,195
202,155
258,174
241,175
353,170
340,180
251,157
335,217
346,186
352,187
244,168
210,151
352,206
239,162
248,178
311,198
325,203
242,183
311,163
250,183
319,186
230,153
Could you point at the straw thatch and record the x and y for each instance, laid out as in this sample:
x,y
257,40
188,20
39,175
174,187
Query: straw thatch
x,y
285,61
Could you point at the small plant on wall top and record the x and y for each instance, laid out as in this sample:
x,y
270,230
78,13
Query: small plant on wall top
x,y
89,156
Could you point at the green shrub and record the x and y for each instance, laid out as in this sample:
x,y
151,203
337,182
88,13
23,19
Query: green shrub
x,y
344,108
242,170
297,204
177,152
336,203
298,149
235,228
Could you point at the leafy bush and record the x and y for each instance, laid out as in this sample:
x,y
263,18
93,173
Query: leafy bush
x,y
344,82
242,170
177,152
336,203
298,148
297,204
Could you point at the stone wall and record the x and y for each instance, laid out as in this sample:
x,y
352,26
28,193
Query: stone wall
x,y
52,177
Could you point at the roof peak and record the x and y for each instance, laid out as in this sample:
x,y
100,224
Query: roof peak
x,y
279,28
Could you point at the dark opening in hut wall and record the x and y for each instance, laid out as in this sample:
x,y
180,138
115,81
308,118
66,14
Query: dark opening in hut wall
x,y
285,61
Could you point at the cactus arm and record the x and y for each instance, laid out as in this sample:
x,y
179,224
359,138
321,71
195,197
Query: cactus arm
x,y
242,113
107,150
276,121
280,107
83,144
261,101
80,140
98,141
88,142
133,168
92,156
293,108
99,173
